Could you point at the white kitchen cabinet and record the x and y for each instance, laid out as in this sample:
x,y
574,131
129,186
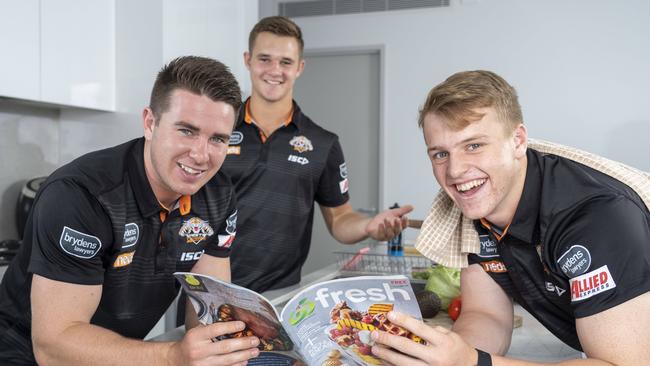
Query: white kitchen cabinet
x,y
78,53
59,52
19,57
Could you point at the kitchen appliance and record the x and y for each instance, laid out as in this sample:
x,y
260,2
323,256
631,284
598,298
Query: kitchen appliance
x,y
25,201
8,250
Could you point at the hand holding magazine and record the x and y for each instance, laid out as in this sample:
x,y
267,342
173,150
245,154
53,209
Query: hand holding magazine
x,y
326,324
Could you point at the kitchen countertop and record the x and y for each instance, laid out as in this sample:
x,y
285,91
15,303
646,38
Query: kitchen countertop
x,y
531,341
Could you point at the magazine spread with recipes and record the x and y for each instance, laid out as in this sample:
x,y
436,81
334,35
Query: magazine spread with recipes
x,y
326,324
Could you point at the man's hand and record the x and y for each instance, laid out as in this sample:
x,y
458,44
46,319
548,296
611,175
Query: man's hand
x,y
444,347
198,348
387,224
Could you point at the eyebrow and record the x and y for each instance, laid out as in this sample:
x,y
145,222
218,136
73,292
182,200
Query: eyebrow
x,y
463,142
193,128
282,58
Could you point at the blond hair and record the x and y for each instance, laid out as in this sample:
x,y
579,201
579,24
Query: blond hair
x,y
457,98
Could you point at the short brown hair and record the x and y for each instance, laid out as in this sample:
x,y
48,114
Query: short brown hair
x,y
199,75
457,98
278,25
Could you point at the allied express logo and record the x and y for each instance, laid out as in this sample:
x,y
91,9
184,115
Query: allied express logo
x,y
591,283
195,230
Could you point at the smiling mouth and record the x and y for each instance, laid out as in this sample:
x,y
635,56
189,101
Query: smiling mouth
x,y
470,186
189,170
273,82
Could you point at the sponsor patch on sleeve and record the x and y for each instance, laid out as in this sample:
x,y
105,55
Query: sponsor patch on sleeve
x,y
231,223
575,261
79,244
591,283
344,185
225,241
343,170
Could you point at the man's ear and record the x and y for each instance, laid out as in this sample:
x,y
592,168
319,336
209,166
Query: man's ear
x,y
148,122
301,67
247,60
520,136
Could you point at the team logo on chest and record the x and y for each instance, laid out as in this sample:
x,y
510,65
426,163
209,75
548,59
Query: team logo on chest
x,y
195,230
301,144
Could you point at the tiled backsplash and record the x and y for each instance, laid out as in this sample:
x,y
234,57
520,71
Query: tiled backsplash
x,y
29,147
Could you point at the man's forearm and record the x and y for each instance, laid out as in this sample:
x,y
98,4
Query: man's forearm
x,y
350,228
484,332
87,344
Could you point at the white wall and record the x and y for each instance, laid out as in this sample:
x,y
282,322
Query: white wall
x,y
217,29
581,69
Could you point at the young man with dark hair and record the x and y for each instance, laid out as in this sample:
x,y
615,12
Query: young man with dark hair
x,y
281,162
564,233
108,230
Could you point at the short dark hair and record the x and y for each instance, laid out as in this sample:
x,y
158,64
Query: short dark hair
x,y
198,75
278,25
457,98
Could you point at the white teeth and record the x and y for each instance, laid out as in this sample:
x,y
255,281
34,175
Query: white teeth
x,y
188,169
273,82
469,185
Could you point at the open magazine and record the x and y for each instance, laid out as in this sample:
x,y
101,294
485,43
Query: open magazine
x,y
326,324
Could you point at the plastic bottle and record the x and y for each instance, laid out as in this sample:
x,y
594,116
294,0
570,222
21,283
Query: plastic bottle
x,y
395,247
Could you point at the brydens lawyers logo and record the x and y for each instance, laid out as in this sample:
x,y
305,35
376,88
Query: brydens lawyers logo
x,y
131,234
195,230
301,144
488,247
236,138
575,261
591,283
79,244
343,170
231,230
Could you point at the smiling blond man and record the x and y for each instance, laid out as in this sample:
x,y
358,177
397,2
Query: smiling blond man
x,y
567,242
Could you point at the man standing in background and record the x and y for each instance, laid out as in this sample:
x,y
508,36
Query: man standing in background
x,y
281,162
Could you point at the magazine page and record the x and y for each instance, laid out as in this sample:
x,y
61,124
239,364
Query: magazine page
x,y
215,300
331,321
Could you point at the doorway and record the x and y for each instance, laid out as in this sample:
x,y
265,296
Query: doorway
x,y
341,91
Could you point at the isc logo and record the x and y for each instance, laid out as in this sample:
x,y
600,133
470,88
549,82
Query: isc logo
x,y
191,256
298,159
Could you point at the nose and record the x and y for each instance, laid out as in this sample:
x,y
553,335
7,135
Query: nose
x,y
456,166
274,67
199,151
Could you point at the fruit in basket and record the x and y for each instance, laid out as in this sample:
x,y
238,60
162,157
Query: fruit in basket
x,y
429,303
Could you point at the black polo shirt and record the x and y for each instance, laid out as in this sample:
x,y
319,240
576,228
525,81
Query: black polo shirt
x,y
96,221
277,179
579,244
